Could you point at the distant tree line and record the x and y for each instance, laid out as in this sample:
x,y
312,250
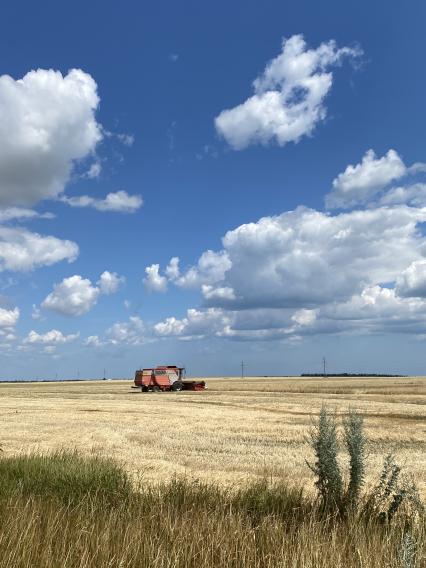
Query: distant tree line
x,y
349,375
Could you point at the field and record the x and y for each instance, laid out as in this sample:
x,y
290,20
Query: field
x,y
202,479
234,432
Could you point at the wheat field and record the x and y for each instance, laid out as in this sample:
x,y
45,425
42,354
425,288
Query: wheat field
x,y
235,431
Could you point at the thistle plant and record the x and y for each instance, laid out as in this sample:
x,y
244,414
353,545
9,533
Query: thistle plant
x,y
323,439
355,444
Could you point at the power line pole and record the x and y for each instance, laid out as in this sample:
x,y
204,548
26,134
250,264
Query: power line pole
x,y
325,367
242,369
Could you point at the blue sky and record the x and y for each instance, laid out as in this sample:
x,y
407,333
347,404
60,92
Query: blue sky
x,y
274,151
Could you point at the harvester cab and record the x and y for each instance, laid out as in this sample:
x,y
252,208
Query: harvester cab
x,y
165,378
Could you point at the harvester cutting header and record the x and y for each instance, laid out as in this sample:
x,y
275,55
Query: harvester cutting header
x,y
165,378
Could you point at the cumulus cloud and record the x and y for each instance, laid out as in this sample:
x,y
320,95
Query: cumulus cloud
x,y
211,268
305,272
119,201
170,326
219,293
75,296
414,195
306,258
305,317
110,282
412,281
359,183
52,337
376,309
21,214
9,317
47,122
154,281
246,325
130,332
195,325
288,100
22,250
93,341
172,269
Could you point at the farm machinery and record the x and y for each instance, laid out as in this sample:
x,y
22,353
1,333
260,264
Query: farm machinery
x,y
165,378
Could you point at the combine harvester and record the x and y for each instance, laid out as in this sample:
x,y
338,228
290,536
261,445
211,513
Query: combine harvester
x,y
165,378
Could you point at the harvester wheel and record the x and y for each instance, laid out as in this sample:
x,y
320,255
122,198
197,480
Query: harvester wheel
x,y
156,388
177,386
144,388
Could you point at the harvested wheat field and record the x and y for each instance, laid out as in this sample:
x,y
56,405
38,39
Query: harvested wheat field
x,y
234,431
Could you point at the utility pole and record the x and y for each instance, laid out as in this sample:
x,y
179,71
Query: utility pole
x,y
242,369
104,375
325,367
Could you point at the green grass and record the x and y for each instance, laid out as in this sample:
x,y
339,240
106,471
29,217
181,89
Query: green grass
x,y
66,511
66,476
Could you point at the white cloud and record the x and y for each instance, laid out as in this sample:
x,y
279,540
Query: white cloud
x,y
414,195
120,202
129,333
93,341
21,250
74,296
196,324
110,282
170,326
21,213
52,337
220,293
305,317
359,183
211,268
9,318
375,310
47,122
154,282
306,272
306,258
172,269
412,281
289,96
94,171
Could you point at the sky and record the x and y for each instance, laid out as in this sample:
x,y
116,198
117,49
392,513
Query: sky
x,y
201,184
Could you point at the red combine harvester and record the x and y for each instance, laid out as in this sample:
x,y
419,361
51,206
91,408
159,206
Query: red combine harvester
x,y
166,378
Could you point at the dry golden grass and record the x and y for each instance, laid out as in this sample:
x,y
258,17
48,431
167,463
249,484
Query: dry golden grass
x,y
235,431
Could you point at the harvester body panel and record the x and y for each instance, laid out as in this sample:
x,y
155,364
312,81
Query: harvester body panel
x,y
165,378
